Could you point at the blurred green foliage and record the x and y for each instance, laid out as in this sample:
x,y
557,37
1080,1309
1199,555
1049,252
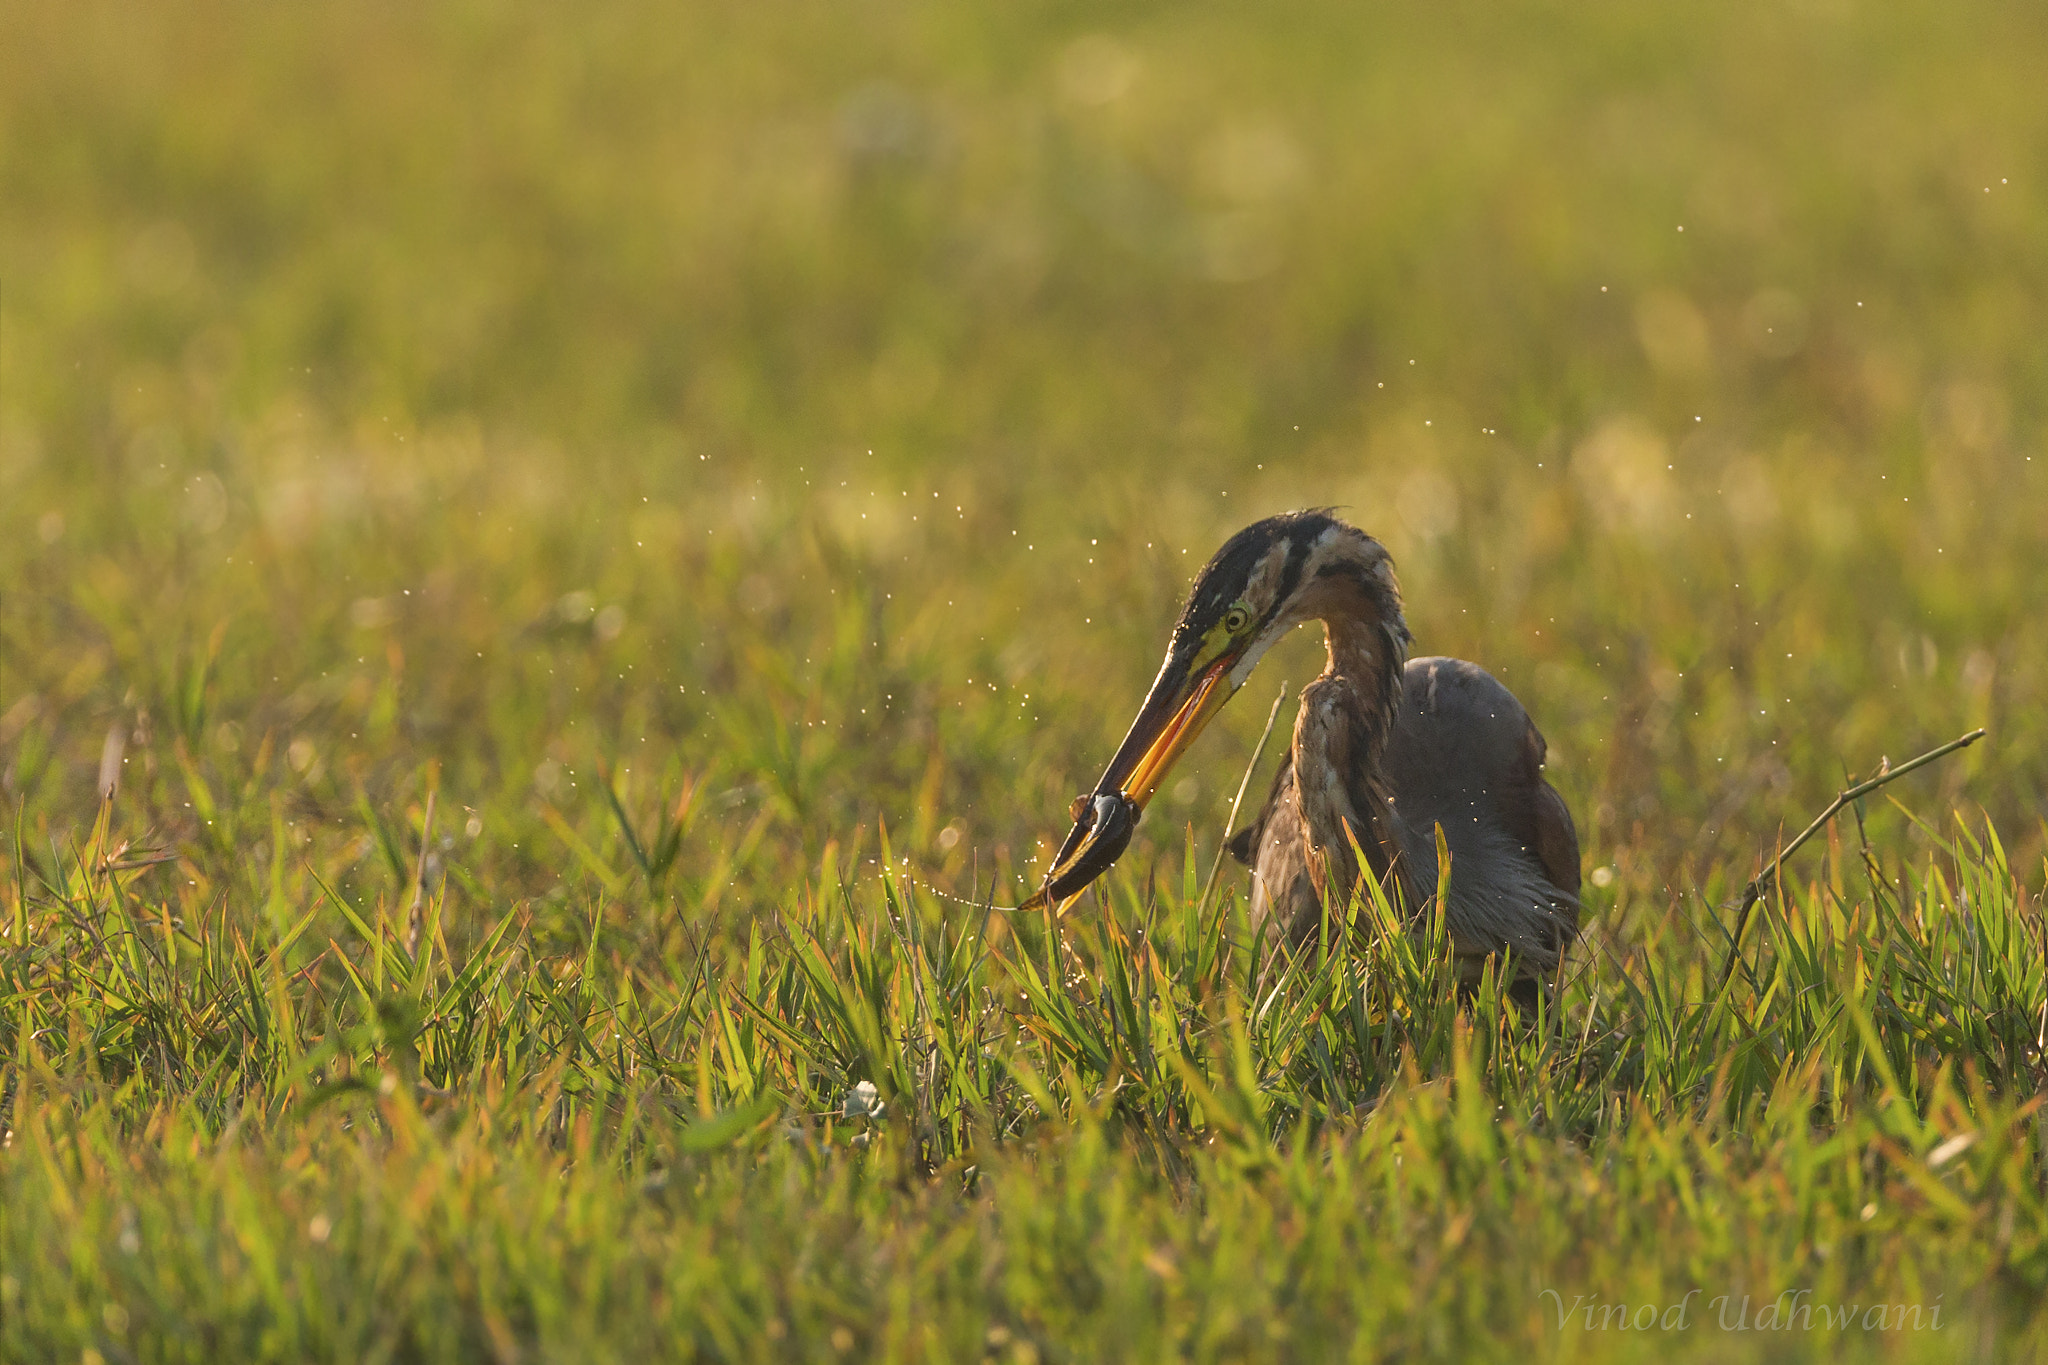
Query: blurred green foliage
x,y
682,442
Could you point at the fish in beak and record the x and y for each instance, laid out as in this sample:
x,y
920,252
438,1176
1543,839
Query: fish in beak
x,y
1184,699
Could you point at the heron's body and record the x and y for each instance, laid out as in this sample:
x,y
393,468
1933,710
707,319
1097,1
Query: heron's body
x,y
1385,752
1461,754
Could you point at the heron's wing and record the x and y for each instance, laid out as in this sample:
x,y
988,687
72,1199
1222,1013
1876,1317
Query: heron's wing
x,y
1539,820
1466,756
1553,836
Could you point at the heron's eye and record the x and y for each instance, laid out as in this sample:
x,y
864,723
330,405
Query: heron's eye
x,y
1237,618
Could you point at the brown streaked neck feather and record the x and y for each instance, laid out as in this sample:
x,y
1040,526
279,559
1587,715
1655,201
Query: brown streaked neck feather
x,y
1346,716
1357,648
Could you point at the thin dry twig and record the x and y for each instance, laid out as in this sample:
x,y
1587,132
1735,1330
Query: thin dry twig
x,y
1762,881
1237,801
419,883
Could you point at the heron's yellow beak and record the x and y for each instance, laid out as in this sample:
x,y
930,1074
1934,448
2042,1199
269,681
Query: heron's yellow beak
x,y
1182,702
1203,700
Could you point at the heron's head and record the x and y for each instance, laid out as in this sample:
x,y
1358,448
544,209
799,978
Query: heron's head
x,y
1269,578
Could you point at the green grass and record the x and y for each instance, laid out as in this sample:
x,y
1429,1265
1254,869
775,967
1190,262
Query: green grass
x,y
737,469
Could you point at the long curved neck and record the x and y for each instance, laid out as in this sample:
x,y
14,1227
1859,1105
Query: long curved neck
x,y
1346,717
1364,650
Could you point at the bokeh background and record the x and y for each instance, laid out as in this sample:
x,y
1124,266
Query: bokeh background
x,y
810,416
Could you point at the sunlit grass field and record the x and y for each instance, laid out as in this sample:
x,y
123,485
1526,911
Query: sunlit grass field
x,y
592,549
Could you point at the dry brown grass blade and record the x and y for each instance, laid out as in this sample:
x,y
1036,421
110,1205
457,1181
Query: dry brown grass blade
x,y
1761,882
